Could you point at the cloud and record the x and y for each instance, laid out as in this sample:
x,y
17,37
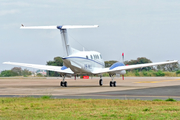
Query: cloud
x,y
22,4
6,12
25,4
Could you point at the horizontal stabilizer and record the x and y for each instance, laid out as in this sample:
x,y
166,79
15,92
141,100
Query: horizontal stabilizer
x,y
78,26
38,27
59,27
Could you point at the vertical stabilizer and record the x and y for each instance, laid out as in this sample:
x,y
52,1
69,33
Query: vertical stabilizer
x,y
65,43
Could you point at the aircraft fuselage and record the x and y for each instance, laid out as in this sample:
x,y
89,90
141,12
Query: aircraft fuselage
x,y
84,62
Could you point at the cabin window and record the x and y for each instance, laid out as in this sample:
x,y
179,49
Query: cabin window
x,y
94,56
91,57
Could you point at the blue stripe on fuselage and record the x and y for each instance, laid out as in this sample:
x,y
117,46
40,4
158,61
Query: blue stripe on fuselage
x,y
84,58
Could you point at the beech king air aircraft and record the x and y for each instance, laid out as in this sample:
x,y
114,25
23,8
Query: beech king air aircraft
x,y
82,62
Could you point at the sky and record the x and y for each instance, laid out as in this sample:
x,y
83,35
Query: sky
x,y
139,28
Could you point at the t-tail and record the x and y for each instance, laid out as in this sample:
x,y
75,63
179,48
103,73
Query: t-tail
x,y
63,30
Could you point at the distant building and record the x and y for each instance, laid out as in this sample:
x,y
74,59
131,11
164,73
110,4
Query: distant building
x,y
43,72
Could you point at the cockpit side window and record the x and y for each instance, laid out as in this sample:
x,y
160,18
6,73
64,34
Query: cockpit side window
x,y
100,56
86,56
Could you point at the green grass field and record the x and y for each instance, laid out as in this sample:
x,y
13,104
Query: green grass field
x,y
65,109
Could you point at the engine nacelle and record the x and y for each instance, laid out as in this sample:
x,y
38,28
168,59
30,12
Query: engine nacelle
x,y
122,72
118,64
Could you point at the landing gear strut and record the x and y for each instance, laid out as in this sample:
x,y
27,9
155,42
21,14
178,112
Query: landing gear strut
x,y
63,83
100,81
112,83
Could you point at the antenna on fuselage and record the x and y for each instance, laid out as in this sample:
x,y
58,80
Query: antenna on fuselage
x,y
63,31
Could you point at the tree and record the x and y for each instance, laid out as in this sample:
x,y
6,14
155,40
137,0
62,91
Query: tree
x,y
110,63
56,62
17,70
26,72
168,67
7,73
140,60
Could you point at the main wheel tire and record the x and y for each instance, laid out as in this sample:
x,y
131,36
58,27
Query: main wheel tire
x,y
65,84
61,84
111,84
100,82
114,83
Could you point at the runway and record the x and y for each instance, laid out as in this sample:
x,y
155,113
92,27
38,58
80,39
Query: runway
x,y
144,88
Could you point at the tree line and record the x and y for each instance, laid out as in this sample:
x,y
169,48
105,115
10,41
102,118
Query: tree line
x,y
16,71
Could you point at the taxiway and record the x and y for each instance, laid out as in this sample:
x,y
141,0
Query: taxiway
x,y
144,88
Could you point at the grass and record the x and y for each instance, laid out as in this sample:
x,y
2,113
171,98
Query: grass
x,y
48,108
171,99
46,97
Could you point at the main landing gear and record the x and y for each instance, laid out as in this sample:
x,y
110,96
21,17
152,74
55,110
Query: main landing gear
x,y
112,83
63,83
100,81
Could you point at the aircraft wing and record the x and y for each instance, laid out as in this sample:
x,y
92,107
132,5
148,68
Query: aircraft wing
x,y
43,67
120,68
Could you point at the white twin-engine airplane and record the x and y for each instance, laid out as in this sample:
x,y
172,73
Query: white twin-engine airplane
x,y
82,62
